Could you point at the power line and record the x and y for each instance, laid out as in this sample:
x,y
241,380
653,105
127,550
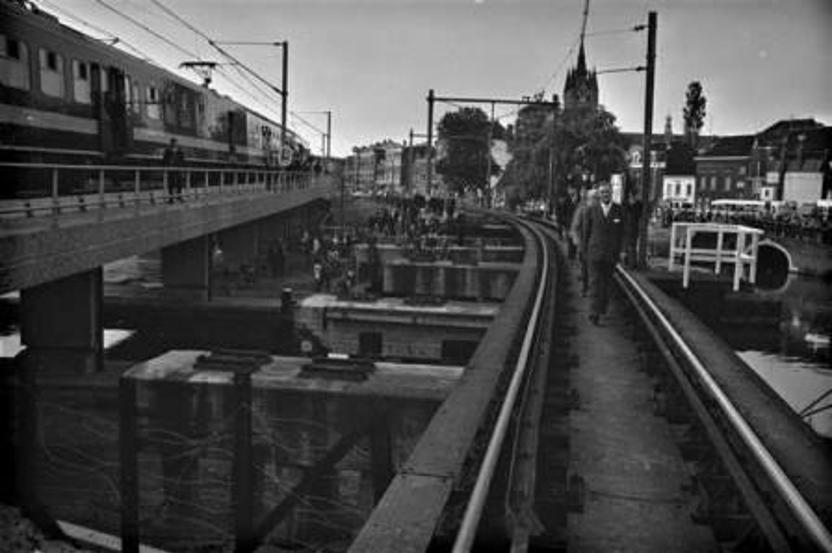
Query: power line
x,y
634,29
198,32
148,29
216,46
560,65
228,79
118,40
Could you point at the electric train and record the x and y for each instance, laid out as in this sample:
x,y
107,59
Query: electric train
x,y
68,98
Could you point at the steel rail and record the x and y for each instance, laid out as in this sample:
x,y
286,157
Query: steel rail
x,y
800,509
476,503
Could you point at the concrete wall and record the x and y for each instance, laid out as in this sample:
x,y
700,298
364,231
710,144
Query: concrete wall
x,y
79,242
185,460
435,333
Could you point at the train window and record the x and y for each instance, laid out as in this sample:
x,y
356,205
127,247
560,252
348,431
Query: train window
x,y
152,98
80,82
128,92
51,73
14,63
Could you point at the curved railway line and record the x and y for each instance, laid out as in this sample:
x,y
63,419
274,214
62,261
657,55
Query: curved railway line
x,y
748,483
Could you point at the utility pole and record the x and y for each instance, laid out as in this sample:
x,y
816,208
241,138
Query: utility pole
x,y
328,135
429,185
552,191
284,93
487,190
410,162
648,135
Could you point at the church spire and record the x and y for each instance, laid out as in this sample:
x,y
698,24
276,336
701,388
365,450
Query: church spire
x,y
581,86
581,67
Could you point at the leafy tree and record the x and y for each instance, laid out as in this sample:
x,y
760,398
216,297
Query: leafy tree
x,y
464,135
527,174
694,111
580,141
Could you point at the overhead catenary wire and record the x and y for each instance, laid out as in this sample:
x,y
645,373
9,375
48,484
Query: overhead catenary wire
x,y
238,65
148,29
133,20
118,39
216,46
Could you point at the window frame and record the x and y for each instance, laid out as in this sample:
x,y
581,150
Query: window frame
x,y
79,67
18,65
45,68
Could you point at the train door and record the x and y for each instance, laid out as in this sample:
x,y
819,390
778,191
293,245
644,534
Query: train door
x,y
111,110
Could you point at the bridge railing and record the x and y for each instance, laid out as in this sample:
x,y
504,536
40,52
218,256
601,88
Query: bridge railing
x,y
779,466
39,189
718,244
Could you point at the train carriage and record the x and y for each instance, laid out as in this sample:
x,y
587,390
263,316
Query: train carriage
x,y
68,98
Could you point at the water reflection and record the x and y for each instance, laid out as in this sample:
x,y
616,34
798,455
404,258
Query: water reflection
x,y
793,356
799,383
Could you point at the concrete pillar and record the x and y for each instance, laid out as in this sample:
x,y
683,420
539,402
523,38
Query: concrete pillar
x,y
187,265
61,323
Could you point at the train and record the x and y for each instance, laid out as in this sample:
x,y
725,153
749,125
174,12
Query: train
x,y
66,97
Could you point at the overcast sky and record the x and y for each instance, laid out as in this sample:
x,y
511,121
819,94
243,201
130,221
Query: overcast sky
x,y
372,62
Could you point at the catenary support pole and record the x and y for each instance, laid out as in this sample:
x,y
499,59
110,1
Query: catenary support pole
x,y
648,131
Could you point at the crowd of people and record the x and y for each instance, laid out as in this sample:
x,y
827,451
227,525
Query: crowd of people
x,y
813,225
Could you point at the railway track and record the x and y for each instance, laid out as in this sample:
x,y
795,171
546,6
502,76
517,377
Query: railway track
x,y
739,490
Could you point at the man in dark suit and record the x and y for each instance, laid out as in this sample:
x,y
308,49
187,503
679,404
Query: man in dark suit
x,y
174,157
603,237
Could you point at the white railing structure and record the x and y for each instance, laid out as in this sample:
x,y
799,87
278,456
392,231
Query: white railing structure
x,y
736,244
52,189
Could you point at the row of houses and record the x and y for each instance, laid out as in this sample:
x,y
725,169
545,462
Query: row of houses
x,y
389,166
790,160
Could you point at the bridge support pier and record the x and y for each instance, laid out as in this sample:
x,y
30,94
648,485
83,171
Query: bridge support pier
x,y
240,245
187,266
61,323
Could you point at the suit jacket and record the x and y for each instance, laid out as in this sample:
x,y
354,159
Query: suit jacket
x,y
603,236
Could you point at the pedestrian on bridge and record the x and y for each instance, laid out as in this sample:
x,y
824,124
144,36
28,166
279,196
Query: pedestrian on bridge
x,y
173,157
603,230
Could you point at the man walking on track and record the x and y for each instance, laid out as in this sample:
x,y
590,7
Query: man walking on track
x,y
576,233
602,240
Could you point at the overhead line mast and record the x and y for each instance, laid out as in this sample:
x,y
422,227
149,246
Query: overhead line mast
x,y
583,24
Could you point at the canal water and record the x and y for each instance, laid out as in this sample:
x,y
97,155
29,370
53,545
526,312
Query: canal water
x,y
794,356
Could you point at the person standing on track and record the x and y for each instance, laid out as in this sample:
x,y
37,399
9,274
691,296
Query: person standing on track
x,y
603,230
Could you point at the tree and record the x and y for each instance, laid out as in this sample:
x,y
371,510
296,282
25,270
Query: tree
x,y
528,172
464,136
694,112
578,143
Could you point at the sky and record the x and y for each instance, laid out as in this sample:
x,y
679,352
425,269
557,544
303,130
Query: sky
x,y
371,63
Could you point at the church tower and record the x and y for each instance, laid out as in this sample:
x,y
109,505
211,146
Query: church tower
x,y
581,87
